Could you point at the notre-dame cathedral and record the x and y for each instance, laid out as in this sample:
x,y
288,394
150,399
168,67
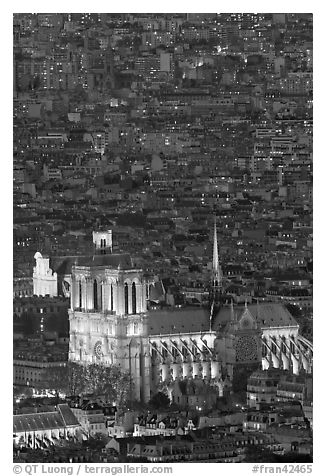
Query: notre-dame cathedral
x,y
110,324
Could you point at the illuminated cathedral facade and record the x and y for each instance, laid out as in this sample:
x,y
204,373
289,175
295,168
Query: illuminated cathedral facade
x,y
110,324
108,320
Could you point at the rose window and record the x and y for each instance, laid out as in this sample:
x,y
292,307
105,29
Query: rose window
x,y
246,349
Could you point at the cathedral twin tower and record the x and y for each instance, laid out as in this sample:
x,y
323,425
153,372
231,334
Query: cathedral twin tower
x,y
108,320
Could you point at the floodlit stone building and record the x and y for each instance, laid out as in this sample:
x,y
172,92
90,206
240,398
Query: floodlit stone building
x,y
110,324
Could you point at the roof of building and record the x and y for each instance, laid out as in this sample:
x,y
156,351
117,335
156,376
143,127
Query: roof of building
x,y
178,321
67,415
272,315
63,264
156,291
61,418
266,314
192,320
269,374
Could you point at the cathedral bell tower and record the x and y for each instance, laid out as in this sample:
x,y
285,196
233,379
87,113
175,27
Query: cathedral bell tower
x,y
108,318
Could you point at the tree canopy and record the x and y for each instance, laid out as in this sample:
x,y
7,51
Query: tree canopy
x,y
160,400
95,379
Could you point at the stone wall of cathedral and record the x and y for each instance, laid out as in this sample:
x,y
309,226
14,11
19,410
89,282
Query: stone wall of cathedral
x,y
190,356
108,322
109,325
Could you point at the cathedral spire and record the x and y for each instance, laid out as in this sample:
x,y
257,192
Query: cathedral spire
x,y
211,314
216,268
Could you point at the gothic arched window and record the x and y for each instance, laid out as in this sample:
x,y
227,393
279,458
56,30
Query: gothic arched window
x,y
126,299
134,298
95,294
80,295
101,296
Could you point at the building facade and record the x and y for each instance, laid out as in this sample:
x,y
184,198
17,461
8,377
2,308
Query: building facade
x,y
110,324
108,319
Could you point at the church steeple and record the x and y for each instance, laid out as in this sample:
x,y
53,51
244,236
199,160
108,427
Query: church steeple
x,y
216,268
